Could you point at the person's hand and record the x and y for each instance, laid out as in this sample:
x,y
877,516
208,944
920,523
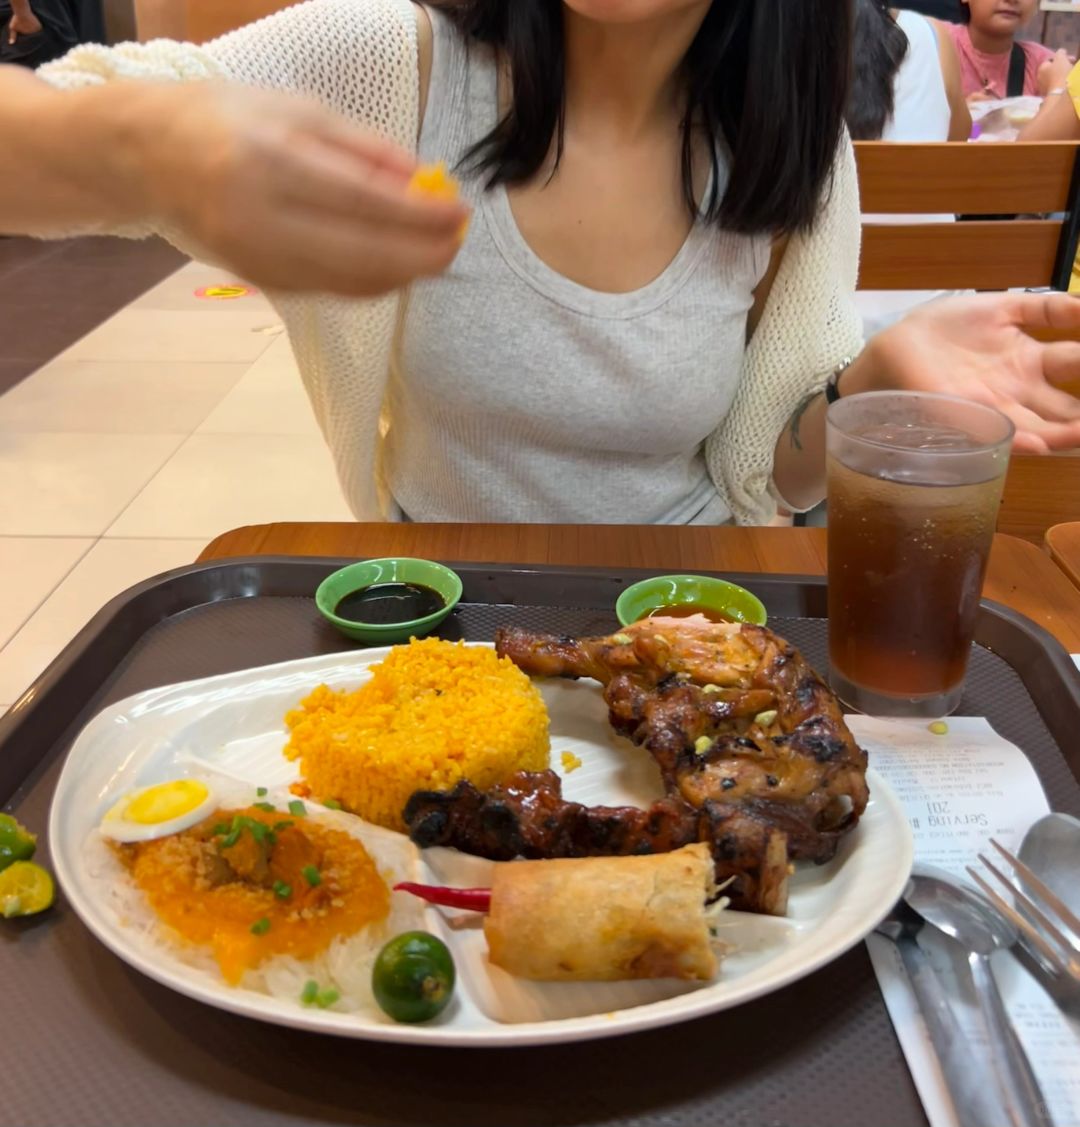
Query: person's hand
x,y
287,194
976,348
22,24
1054,73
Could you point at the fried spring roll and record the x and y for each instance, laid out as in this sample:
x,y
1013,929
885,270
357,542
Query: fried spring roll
x,y
603,918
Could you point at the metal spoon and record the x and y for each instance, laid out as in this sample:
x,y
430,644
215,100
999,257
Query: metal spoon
x,y
1051,849
961,913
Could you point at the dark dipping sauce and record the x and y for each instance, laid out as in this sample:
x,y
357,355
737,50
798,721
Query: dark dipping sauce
x,y
688,610
388,604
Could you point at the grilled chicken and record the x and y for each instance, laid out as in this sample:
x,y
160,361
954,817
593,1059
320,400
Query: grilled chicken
x,y
753,750
528,817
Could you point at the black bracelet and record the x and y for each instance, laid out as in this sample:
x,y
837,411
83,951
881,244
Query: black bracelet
x,y
832,388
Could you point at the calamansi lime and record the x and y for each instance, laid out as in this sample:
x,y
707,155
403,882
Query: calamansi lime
x,y
25,890
17,843
413,977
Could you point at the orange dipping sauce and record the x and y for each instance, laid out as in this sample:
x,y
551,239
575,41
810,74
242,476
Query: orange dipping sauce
x,y
689,610
182,879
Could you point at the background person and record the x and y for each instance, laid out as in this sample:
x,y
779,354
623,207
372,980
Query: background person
x,y
993,62
33,32
905,87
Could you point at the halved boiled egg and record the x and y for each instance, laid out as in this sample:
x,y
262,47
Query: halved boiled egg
x,y
159,810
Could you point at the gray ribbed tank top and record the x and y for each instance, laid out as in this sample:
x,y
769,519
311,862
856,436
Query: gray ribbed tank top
x,y
519,395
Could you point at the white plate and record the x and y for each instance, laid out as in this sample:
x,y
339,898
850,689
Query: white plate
x,y
233,724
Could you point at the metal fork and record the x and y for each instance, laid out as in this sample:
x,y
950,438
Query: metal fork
x,y
1049,930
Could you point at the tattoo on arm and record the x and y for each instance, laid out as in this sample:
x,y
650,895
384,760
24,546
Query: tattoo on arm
x,y
796,419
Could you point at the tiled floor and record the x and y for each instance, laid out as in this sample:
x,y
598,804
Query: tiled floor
x,y
171,421
51,293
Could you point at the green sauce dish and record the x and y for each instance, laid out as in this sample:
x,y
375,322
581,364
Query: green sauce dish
x,y
683,595
382,602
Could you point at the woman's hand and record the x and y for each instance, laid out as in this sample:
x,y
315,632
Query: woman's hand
x,y
291,196
1054,73
977,348
22,22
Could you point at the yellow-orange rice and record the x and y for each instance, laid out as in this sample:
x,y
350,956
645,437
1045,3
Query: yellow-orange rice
x,y
433,713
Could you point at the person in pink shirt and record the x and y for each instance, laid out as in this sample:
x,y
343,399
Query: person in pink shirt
x,y
987,46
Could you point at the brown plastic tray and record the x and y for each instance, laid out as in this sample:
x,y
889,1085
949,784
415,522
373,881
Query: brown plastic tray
x,y
87,1040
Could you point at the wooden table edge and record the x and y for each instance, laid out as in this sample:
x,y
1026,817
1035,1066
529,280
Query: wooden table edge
x,y
1063,545
1020,575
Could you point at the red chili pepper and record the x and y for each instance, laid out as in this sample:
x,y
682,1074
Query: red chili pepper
x,y
475,899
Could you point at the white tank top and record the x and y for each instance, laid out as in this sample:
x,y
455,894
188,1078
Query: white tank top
x,y
519,395
921,110
921,113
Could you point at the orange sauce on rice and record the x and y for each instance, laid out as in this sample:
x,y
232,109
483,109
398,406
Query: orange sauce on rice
x,y
176,875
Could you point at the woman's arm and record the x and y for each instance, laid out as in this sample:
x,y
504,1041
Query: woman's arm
x,y
960,119
977,348
799,458
71,159
1057,118
287,192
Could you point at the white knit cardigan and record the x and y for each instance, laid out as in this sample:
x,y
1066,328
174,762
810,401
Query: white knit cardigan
x,y
359,57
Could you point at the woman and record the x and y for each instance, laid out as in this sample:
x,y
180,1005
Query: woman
x,y
1058,119
905,87
585,356
987,47
905,80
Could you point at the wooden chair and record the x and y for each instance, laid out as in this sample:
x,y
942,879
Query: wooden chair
x,y
986,254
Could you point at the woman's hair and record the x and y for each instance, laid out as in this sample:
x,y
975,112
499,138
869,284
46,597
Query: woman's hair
x,y
880,48
766,78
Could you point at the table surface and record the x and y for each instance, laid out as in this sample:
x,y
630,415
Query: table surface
x,y
1020,575
1063,543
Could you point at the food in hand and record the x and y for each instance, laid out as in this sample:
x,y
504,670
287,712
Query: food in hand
x,y
413,977
751,745
435,181
433,712
159,810
25,890
17,843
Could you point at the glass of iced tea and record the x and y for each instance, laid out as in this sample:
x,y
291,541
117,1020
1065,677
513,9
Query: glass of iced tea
x,y
915,481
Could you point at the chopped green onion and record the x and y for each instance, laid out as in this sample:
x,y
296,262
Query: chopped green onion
x,y
331,804
220,828
702,744
266,807
232,839
327,997
312,875
279,826
297,808
261,927
282,890
310,992
766,718
260,791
